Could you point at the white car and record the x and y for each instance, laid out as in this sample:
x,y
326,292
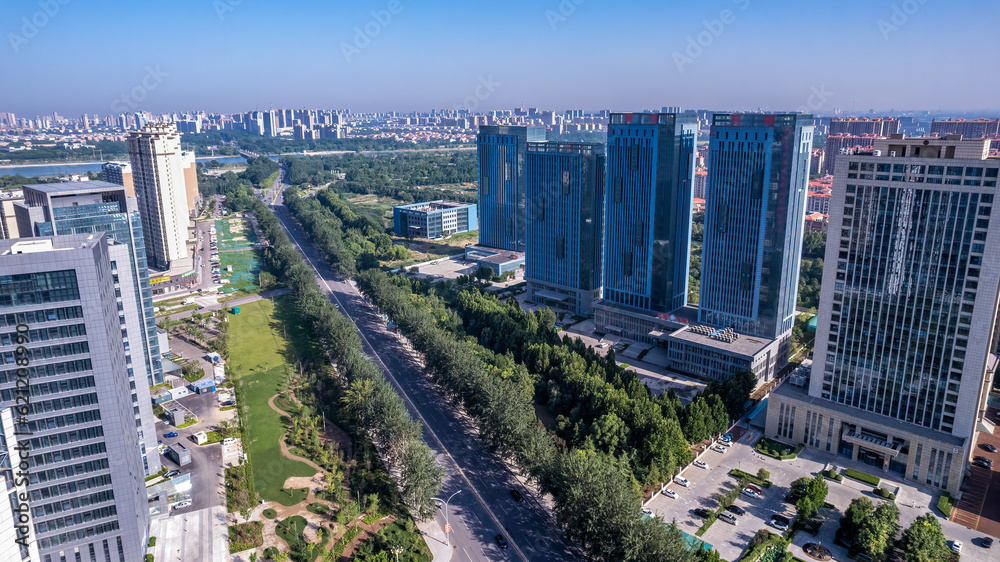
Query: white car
x,y
750,493
779,525
647,511
701,464
956,546
669,493
682,481
719,448
183,504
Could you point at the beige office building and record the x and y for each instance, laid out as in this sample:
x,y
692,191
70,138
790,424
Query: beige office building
x,y
902,364
158,173
119,173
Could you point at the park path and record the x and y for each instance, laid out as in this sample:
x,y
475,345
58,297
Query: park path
x,y
285,452
333,431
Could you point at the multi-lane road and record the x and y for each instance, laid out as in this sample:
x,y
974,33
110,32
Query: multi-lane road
x,y
484,506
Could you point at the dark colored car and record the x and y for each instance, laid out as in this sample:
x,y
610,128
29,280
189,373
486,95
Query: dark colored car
x,y
501,542
981,458
989,447
987,542
982,464
229,403
516,495
780,519
171,474
702,512
737,510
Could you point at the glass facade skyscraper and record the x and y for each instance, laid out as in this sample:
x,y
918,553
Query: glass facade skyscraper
x,y
565,198
754,218
907,313
500,155
647,235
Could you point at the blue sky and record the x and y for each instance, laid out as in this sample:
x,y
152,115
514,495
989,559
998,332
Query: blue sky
x,y
237,55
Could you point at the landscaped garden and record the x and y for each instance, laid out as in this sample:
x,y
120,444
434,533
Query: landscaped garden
x,y
777,449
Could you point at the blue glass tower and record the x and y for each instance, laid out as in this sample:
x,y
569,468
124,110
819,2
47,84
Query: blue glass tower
x,y
565,210
647,235
754,219
500,152
91,207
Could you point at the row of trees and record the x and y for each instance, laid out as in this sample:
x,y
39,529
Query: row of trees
x,y
377,411
238,188
284,145
872,530
595,493
384,174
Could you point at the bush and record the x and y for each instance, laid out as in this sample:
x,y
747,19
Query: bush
x,y
149,558
245,536
832,475
945,503
736,473
240,492
763,474
882,492
270,513
777,449
864,477
152,542
317,508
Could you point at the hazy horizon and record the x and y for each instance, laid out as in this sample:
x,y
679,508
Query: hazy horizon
x,y
228,56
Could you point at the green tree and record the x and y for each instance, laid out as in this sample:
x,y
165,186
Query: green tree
x,y
420,479
878,531
860,509
924,541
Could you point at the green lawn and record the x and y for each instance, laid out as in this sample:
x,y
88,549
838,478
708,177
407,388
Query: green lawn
x,y
259,364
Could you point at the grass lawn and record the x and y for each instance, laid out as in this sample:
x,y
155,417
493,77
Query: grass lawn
x,y
259,364
291,529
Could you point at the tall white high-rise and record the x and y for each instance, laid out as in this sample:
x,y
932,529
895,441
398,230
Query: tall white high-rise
x,y
158,177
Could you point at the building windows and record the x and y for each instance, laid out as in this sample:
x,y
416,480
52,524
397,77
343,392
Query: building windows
x,y
565,182
627,264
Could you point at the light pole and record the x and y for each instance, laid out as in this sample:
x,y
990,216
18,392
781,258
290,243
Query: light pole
x,y
396,550
447,525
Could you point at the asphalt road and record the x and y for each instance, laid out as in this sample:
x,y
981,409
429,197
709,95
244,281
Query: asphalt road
x,y
484,507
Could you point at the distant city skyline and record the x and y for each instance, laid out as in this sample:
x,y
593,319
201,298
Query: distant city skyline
x,y
228,56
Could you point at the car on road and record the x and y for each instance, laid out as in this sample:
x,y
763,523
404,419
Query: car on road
x,y
956,546
701,464
647,511
682,481
171,474
750,493
719,448
989,447
171,434
501,541
986,542
729,518
736,509
669,493
183,504
703,513
516,495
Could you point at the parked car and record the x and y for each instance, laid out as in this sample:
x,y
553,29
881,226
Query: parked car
x,y
183,504
516,495
229,403
780,519
669,493
987,542
172,473
719,448
982,464
989,447
702,512
737,510
701,464
171,434
501,541
779,525
981,458
750,493
729,518
754,488
647,511
956,546
726,443
682,481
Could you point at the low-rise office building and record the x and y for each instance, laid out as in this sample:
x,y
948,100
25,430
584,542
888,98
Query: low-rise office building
x,y
434,219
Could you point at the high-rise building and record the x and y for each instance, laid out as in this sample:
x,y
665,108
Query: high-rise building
x,y
8,220
119,173
756,203
840,142
968,128
17,536
190,166
500,154
86,489
647,212
878,126
159,179
565,211
902,365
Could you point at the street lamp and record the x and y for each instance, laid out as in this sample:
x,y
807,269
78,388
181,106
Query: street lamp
x,y
396,550
447,526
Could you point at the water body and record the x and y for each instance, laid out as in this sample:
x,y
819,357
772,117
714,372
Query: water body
x,y
48,170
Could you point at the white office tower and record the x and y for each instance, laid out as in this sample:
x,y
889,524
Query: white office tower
x,y
61,334
158,178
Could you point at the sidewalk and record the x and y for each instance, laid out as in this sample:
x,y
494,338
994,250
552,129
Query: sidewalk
x,y
435,539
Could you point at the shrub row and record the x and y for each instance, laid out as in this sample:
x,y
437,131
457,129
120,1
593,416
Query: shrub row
x,y
862,476
945,503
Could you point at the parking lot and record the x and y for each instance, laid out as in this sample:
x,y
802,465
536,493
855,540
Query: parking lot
x,y
730,540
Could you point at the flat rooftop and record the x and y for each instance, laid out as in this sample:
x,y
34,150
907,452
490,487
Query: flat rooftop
x,y
71,187
492,255
434,205
49,243
802,395
702,335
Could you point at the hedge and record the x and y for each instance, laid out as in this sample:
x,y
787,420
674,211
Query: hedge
x,y
945,503
866,478
885,494
832,474
737,473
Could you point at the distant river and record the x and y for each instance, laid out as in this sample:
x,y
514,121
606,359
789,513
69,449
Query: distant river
x,y
47,170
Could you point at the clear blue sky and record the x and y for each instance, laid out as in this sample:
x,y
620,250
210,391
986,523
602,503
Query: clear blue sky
x,y
618,55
